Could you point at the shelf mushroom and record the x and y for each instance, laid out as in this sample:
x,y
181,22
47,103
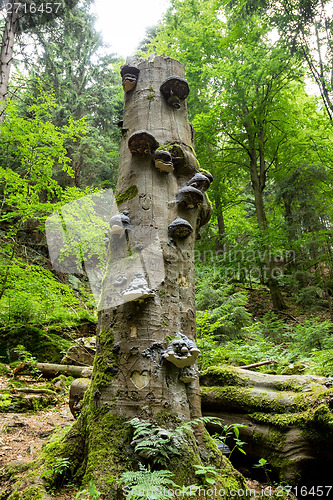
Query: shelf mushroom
x,y
188,374
129,76
120,223
209,176
142,142
190,197
163,160
175,90
182,351
199,181
137,289
179,228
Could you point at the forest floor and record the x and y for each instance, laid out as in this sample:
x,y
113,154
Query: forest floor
x,y
22,435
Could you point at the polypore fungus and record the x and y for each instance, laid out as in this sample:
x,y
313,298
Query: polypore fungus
x,y
175,90
190,197
188,374
179,228
120,223
199,181
137,289
163,160
142,142
129,76
182,351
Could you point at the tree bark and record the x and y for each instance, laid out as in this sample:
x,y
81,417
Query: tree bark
x,y
6,54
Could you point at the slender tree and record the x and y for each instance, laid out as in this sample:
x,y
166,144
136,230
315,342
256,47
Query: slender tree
x,y
21,18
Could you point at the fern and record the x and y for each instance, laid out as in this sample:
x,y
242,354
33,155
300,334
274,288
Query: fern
x,y
144,483
187,426
154,443
157,444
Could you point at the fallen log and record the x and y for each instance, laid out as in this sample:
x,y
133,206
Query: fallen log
x,y
30,390
288,420
255,365
52,370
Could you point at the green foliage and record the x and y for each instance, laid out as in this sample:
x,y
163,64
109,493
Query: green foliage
x,y
147,484
263,464
154,443
227,432
30,148
221,310
58,472
91,491
313,335
208,473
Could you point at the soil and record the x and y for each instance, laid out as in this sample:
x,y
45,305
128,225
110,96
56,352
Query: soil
x,y
23,434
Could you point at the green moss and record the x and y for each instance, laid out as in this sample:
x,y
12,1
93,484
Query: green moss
x,y
30,493
291,385
221,375
283,420
192,149
168,146
166,419
170,338
204,171
322,415
106,363
244,399
109,448
150,97
130,193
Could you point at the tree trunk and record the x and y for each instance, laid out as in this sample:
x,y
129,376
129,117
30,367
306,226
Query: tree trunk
x,y
258,184
145,364
6,55
135,368
220,222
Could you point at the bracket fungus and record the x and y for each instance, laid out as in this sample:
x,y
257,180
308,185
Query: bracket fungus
x,y
163,160
188,374
208,175
120,223
175,90
179,228
199,181
142,142
182,351
129,76
137,289
190,197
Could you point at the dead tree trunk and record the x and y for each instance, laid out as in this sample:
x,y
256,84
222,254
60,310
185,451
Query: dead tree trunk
x,y
145,363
